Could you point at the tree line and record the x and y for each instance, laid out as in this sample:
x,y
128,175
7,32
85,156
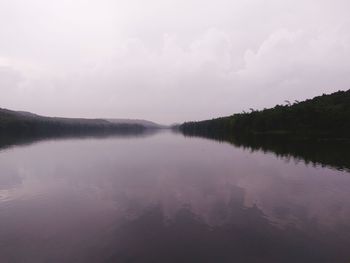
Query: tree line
x,y
324,116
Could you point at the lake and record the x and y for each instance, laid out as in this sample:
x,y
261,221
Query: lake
x,y
164,197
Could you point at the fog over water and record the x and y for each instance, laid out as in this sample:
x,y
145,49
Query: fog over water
x,y
169,61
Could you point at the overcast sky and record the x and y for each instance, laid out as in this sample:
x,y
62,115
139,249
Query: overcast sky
x,y
169,61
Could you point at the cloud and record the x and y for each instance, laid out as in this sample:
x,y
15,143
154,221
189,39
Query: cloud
x,y
170,61
10,79
298,64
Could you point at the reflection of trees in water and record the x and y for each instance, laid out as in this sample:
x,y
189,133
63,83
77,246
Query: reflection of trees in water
x,y
332,153
8,140
247,236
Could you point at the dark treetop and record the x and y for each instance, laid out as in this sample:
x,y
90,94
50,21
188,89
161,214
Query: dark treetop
x,y
323,116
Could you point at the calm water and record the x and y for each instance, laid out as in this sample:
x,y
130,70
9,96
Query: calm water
x,y
168,198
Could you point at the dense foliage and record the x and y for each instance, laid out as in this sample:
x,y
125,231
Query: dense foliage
x,y
326,115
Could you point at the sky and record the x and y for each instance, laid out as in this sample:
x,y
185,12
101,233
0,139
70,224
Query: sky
x,y
169,61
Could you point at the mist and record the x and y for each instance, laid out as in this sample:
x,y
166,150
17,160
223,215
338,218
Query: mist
x,y
169,61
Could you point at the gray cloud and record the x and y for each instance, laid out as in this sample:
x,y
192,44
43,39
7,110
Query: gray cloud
x,y
169,60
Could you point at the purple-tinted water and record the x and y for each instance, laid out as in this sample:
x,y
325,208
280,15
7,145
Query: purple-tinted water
x,y
167,198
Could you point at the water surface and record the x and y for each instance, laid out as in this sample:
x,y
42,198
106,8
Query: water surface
x,y
168,198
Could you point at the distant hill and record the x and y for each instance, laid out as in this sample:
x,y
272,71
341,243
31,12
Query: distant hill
x,y
26,114
145,123
25,123
324,116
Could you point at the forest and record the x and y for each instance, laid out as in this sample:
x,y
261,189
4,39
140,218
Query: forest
x,y
325,116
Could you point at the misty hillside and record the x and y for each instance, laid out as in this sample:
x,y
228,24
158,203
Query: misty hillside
x,y
326,115
145,123
9,117
19,122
